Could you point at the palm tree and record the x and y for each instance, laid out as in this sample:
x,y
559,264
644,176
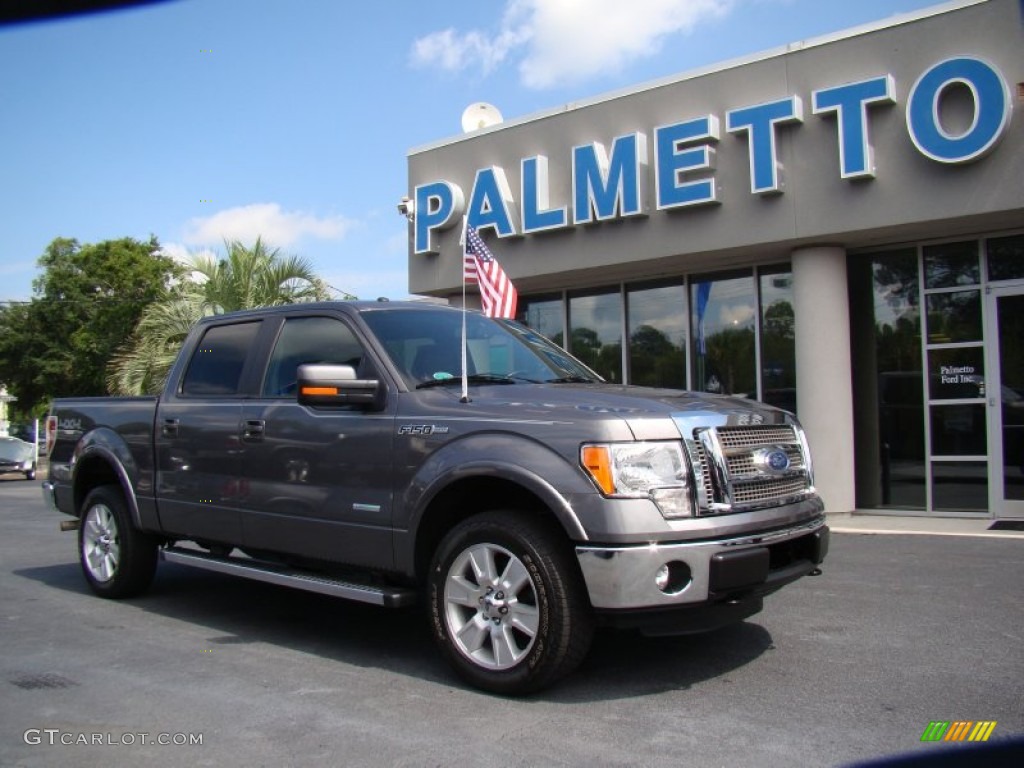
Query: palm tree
x,y
246,279
255,277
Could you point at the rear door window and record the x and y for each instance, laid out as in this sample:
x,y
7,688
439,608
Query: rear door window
x,y
217,364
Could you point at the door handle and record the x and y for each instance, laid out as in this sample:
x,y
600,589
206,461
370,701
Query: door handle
x,y
253,430
169,428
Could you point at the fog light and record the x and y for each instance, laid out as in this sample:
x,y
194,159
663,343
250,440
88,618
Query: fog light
x,y
672,502
672,578
661,578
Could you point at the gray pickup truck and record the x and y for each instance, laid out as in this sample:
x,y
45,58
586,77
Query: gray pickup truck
x,y
338,448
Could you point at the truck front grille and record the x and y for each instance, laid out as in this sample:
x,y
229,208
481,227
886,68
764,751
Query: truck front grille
x,y
751,437
741,468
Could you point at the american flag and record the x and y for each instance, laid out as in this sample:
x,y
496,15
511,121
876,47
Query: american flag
x,y
497,294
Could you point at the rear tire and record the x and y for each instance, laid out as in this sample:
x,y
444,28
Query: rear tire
x,y
117,559
508,605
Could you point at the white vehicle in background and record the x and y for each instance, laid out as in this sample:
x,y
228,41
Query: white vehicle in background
x,y
17,456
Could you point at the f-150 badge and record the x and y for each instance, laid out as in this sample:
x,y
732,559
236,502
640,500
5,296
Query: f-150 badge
x,y
422,429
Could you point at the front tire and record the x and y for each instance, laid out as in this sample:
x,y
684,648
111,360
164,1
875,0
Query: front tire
x,y
508,606
117,559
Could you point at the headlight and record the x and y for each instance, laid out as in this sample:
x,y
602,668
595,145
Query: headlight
x,y
655,471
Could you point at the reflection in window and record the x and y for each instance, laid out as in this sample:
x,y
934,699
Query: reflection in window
x,y
954,317
778,340
1005,258
1010,320
308,340
724,313
544,315
951,264
657,336
958,430
888,383
595,332
217,364
960,486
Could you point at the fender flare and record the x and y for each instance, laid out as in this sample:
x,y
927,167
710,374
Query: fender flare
x,y
106,445
531,481
511,457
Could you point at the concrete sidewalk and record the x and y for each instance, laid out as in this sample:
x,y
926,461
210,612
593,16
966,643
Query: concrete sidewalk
x,y
847,522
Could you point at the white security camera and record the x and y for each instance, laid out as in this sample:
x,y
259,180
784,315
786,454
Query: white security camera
x,y
407,208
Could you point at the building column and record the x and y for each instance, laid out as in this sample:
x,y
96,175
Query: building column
x,y
824,389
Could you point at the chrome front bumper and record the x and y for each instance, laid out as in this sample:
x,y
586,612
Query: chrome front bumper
x,y
624,577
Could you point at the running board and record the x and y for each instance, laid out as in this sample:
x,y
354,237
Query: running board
x,y
389,597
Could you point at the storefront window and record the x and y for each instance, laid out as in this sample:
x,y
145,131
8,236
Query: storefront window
x,y
960,486
956,377
951,264
888,381
1010,383
778,338
544,315
595,332
1005,258
656,319
956,373
724,311
958,430
954,317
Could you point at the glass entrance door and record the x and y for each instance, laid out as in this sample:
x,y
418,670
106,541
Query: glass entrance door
x,y
1006,401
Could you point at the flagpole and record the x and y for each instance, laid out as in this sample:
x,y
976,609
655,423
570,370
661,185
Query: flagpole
x,y
465,378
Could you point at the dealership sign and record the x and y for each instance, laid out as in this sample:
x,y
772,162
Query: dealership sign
x,y
610,182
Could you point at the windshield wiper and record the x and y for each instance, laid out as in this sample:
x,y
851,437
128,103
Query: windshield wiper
x,y
573,379
473,378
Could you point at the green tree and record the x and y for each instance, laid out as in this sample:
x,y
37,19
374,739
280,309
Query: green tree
x,y
654,361
731,358
86,301
245,279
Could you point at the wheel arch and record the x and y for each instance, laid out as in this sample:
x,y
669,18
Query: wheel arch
x,y
472,490
96,465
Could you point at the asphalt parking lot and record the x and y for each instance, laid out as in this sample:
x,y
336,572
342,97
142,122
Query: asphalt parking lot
x,y
840,669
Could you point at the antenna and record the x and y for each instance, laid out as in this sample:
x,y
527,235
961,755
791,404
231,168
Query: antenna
x,y
480,115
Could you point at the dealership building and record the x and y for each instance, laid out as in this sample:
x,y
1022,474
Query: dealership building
x,y
835,227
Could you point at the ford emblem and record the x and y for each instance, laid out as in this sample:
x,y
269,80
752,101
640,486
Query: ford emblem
x,y
777,461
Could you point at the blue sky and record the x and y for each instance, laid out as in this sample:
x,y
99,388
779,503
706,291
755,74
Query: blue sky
x,y
200,120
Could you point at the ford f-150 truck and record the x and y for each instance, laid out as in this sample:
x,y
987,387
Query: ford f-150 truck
x,y
388,452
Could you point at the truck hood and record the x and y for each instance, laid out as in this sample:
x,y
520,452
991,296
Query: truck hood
x,y
650,413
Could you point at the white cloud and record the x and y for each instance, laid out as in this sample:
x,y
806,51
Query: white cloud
x,y
266,220
566,41
454,52
732,315
182,253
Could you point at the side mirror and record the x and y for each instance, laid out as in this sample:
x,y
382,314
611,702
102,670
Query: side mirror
x,y
327,385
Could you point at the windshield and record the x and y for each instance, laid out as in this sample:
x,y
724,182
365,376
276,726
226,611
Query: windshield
x,y
425,345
